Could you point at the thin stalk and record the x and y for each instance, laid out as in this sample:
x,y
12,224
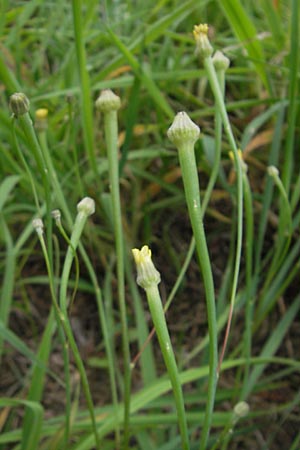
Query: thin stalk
x,y
65,208
28,171
184,133
191,187
26,125
84,209
111,137
218,145
85,384
158,317
284,228
211,74
149,278
249,278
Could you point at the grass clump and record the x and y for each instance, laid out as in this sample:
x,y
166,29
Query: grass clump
x,y
81,365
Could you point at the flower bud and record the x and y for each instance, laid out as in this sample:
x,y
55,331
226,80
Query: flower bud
x,y
241,409
183,130
203,47
273,171
38,226
147,275
220,61
19,104
86,206
56,214
41,119
108,101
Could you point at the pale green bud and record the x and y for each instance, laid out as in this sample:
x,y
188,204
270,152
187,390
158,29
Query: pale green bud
x,y
241,409
183,130
86,206
273,171
220,61
108,101
56,214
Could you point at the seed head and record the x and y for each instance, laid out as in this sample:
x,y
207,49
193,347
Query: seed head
x,y
19,104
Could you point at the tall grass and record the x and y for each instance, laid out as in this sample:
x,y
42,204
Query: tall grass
x,y
71,315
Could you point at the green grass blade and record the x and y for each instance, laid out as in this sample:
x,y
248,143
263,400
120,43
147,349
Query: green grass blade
x,y
273,342
246,32
146,80
33,430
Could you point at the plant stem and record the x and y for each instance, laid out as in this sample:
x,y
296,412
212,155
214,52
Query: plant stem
x,y
191,187
111,136
158,317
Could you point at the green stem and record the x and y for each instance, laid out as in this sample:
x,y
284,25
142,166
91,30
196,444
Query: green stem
x,y
111,136
26,125
218,145
285,229
211,74
158,317
65,323
249,279
191,187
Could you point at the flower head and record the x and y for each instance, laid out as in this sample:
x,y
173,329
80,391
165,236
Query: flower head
x,y
86,206
147,275
19,104
183,130
220,61
203,47
41,119
108,101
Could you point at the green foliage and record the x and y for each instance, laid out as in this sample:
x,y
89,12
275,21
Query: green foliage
x,y
61,324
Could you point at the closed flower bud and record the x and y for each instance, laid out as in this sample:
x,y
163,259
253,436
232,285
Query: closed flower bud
x,y
86,206
241,409
19,104
273,171
220,61
38,226
56,214
108,101
183,130
203,47
147,275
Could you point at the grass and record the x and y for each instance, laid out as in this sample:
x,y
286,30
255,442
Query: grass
x,y
71,313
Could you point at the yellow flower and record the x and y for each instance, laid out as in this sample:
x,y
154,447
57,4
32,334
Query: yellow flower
x,y
147,275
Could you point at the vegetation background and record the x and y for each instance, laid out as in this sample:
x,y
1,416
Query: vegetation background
x,y
61,55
